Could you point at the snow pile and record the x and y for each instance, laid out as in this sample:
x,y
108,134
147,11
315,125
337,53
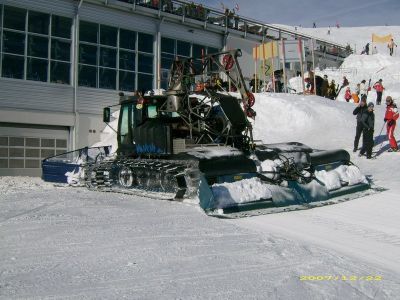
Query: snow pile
x,y
14,185
343,174
243,191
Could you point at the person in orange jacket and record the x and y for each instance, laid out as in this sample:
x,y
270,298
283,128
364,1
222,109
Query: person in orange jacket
x,y
391,116
379,90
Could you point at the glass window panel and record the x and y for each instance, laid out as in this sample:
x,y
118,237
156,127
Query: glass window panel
x,y
145,82
32,152
108,35
47,153
3,163
16,152
16,141
60,50
107,79
47,142
36,69
3,141
13,66
32,163
32,142
61,143
145,63
60,72
212,50
13,42
38,46
145,42
1,16
38,22
87,54
198,51
3,152
183,48
126,81
167,60
164,79
127,60
88,32
108,57
16,163
127,39
61,27
87,76
168,45
14,18
197,65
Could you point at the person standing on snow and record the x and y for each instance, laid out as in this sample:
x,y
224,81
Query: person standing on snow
x,y
347,94
359,111
379,90
391,45
368,122
325,86
391,116
345,82
363,89
332,90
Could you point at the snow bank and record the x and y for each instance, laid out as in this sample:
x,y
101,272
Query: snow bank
x,y
14,185
242,191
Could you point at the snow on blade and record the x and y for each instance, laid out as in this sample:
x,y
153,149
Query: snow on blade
x,y
211,152
243,191
333,179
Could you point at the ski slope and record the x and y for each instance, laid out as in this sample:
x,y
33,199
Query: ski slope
x,y
62,242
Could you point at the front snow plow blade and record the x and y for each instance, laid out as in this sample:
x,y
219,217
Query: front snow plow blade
x,y
331,179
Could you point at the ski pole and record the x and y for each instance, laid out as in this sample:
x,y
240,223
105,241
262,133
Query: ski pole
x,y
380,148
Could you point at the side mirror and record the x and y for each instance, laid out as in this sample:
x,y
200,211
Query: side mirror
x,y
106,114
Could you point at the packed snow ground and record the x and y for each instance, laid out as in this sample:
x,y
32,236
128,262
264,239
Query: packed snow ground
x,y
60,242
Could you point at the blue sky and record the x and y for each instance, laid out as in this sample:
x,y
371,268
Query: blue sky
x,y
324,13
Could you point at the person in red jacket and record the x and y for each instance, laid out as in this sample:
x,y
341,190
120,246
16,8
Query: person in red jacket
x,y
379,90
347,95
391,116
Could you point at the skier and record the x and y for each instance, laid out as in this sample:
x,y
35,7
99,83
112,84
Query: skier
x,y
368,123
391,116
391,45
347,94
379,90
363,88
359,111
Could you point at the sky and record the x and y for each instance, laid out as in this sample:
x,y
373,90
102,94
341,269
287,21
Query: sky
x,y
348,13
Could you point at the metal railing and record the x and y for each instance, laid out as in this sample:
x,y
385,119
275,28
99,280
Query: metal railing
x,y
228,21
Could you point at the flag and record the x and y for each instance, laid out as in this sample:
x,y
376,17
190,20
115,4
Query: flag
x,y
237,7
381,39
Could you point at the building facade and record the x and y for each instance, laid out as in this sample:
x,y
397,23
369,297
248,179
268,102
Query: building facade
x,y
62,61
